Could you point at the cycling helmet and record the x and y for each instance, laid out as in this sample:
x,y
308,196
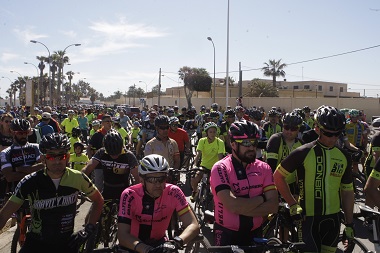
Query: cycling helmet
x,y
255,114
292,119
272,113
240,130
214,114
190,114
78,144
306,109
214,105
330,118
96,123
113,142
239,109
206,115
136,123
53,141
76,132
299,112
353,113
209,125
70,112
152,164
229,112
173,120
175,107
192,108
161,120
203,107
20,125
184,108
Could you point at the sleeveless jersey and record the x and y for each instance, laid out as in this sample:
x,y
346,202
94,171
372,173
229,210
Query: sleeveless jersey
x,y
322,172
149,218
248,182
53,210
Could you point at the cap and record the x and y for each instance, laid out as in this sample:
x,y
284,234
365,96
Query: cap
x,y
46,115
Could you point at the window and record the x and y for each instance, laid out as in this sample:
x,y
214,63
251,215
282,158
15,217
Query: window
x,y
331,88
295,87
306,87
319,87
340,89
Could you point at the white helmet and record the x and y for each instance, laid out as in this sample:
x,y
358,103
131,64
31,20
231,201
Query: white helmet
x,y
152,164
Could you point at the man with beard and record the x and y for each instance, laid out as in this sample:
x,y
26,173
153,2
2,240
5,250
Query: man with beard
x,y
243,189
22,157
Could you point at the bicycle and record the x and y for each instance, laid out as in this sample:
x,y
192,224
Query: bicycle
x,y
106,228
24,220
204,199
371,216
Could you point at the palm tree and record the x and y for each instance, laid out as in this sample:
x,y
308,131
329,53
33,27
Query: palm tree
x,y
274,69
61,61
40,91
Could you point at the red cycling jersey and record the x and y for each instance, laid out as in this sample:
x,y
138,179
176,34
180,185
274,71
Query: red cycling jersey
x,y
252,181
149,218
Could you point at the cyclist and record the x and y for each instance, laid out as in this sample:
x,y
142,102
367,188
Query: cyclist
x,y
372,158
69,123
147,133
52,194
229,118
162,144
78,159
356,133
325,184
371,188
210,149
256,116
146,210
308,119
180,136
243,189
22,157
272,126
116,163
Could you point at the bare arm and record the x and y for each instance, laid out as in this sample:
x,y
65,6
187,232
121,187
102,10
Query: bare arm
x,y
348,200
283,188
20,172
6,212
191,227
177,161
197,157
135,174
252,207
90,166
371,190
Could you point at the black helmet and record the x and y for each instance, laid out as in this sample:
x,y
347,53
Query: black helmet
x,y
229,112
190,114
214,114
161,120
240,130
78,144
330,118
239,109
113,142
299,112
306,109
20,125
272,113
214,106
54,141
76,132
292,119
255,114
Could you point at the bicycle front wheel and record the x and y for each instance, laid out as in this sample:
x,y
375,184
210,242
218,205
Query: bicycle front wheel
x,y
355,246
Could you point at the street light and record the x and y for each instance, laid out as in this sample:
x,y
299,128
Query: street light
x,y
33,65
213,45
50,87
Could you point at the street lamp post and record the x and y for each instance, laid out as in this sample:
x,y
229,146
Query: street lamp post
x,y
50,87
33,65
213,45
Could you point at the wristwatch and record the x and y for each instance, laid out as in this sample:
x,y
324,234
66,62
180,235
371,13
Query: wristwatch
x,y
178,240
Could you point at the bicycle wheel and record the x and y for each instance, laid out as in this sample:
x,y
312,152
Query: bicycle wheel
x,y
356,246
94,240
274,241
111,227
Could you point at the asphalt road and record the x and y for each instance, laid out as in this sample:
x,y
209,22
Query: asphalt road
x,y
362,232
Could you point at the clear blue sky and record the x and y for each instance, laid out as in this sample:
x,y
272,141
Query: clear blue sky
x,y
124,42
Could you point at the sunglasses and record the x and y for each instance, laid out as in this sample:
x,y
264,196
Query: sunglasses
x,y
154,180
247,143
21,132
163,127
54,157
329,134
291,128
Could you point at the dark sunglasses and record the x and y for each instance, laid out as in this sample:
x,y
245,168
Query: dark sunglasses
x,y
154,180
163,127
291,128
247,143
54,157
21,132
329,134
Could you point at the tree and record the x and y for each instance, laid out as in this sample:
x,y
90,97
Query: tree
x,y
61,61
274,69
259,88
194,79
93,98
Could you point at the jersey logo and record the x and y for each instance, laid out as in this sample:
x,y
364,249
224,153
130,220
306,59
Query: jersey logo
x,y
337,170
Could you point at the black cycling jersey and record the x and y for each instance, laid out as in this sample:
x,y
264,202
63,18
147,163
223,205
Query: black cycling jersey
x,y
116,172
18,156
53,209
6,141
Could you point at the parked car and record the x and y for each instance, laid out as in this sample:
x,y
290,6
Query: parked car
x,y
376,122
133,112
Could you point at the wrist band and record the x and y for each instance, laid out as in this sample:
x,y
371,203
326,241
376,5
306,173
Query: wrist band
x,y
134,249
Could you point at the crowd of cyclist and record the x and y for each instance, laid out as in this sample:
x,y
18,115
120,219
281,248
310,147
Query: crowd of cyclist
x,y
252,156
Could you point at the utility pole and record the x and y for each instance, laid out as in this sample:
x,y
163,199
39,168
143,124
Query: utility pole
x,y
240,81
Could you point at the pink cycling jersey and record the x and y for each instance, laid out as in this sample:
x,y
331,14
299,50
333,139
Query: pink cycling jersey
x,y
229,174
149,218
